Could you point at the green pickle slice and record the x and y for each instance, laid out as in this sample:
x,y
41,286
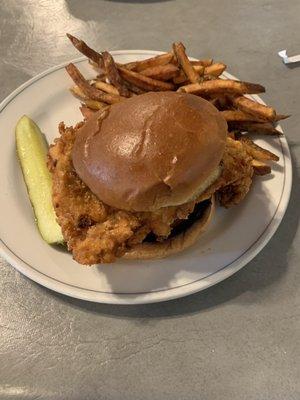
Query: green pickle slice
x,y
32,153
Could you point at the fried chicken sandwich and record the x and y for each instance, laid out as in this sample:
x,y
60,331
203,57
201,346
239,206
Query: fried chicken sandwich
x,y
138,178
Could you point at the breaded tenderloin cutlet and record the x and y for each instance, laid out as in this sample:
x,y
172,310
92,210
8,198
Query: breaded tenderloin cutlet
x,y
95,232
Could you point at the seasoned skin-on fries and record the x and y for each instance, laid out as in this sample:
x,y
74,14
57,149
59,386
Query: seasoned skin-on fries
x,y
77,92
90,91
106,87
224,86
182,78
254,108
139,66
184,62
240,116
94,104
259,128
86,50
205,63
216,69
260,168
279,117
213,70
257,152
134,89
161,72
113,75
144,82
174,71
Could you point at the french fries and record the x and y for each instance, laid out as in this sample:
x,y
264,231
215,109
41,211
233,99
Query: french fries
x,y
257,152
174,71
258,128
77,92
134,90
139,66
184,62
144,82
205,63
90,91
86,50
113,75
279,117
94,104
161,72
216,69
182,78
106,87
225,86
254,108
239,116
212,71
260,168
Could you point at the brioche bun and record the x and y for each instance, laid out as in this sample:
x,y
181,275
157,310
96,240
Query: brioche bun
x,y
151,151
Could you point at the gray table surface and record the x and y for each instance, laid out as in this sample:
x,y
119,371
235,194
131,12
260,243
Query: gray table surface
x,y
237,340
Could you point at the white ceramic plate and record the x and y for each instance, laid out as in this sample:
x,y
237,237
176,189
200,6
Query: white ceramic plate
x,y
234,237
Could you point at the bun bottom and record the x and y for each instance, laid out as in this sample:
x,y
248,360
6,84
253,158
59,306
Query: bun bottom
x,y
175,244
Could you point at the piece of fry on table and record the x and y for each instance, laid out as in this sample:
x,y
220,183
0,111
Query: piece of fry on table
x,y
258,128
256,151
254,108
86,50
184,62
222,85
113,75
90,91
144,82
106,87
138,66
161,72
260,168
205,63
239,116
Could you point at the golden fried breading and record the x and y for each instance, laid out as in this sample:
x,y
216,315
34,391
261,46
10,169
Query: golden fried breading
x,y
97,233
236,177
94,232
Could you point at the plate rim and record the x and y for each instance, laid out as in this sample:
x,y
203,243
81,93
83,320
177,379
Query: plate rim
x,y
165,294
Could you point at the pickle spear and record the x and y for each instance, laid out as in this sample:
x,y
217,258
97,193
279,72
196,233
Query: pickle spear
x,y
32,153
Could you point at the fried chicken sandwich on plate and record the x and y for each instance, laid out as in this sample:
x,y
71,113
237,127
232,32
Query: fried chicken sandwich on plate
x,y
138,179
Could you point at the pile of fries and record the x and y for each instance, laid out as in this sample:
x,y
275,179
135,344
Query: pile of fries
x,y
174,71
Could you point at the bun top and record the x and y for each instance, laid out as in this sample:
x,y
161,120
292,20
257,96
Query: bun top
x,y
151,151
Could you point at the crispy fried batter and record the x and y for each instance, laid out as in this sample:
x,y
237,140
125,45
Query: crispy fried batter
x,y
95,232
236,177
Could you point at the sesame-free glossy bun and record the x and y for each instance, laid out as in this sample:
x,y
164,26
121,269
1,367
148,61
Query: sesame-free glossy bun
x,y
151,151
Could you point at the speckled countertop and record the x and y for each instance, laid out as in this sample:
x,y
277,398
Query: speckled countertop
x,y
237,340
